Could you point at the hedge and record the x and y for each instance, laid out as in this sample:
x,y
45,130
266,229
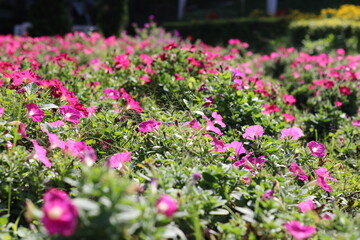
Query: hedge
x,y
257,31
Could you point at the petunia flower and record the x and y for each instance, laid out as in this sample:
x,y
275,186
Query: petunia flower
x,y
218,144
288,117
149,125
344,90
55,141
80,149
60,214
70,114
292,133
298,171
218,119
253,132
289,99
40,154
211,127
238,147
35,112
308,205
112,93
117,160
317,149
299,231
166,205
323,175
1,111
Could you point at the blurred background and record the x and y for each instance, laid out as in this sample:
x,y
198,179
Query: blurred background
x,y
263,23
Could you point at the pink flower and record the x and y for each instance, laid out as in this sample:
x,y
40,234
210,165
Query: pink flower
x,y
146,59
218,144
122,61
57,123
298,171
292,133
60,214
338,103
270,108
149,125
117,160
356,123
55,141
323,175
132,104
288,117
35,112
218,119
1,111
112,93
40,154
253,132
308,205
298,231
22,130
166,205
268,194
289,99
238,147
193,124
70,114
81,150
211,127
344,90
317,149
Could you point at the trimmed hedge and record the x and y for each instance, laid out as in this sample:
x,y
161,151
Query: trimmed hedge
x,y
341,29
257,31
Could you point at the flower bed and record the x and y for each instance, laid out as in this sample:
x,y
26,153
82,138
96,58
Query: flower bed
x,y
152,137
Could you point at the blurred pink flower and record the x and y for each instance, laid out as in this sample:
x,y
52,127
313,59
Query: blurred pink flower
x,y
60,214
292,133
288,117
317,149
298,171
193,124
344,90
211,127
57,123
338,103
253,132
149,125
323,175
308,205
166,205
238,147
112,93
39,153
218,144
70,114
117,160
356,123
22,130
268,194
218,119
270,108
81,150
55,141
1,111
289,99
35,112
299,231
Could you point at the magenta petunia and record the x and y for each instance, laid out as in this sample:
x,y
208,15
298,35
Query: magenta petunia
x,y
60,214
292,133
218,119
117,160
55,142
112,93
356,123
268,194
298,171
317,149
218,144
70,114
211,127
80,149
22,130
288,117
323,175
57,123
1,111
253,132
307,205
289,99
166,205
238,147
299,231
39,153
149,125
193,124
344,90
35,112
